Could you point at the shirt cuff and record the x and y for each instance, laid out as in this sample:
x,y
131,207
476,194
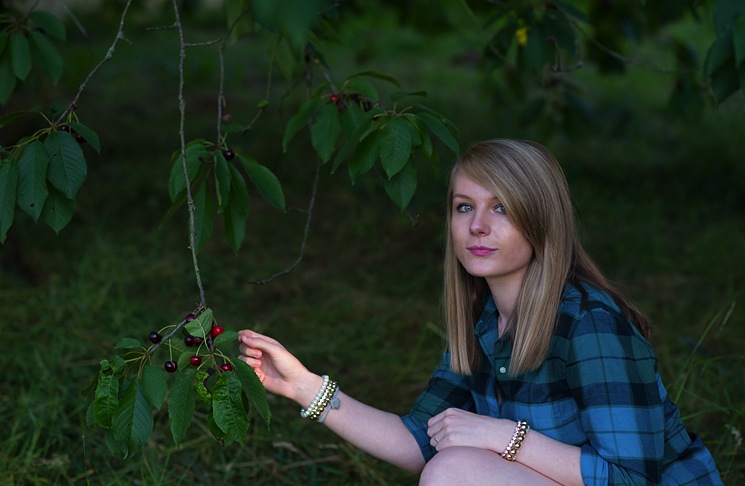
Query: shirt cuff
x,y
419,431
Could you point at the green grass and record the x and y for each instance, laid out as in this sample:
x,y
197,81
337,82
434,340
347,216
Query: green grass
x,y
660,204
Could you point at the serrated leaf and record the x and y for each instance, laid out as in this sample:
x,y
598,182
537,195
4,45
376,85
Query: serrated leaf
x,y
58,210
395,146
217,433
199,387
8,191
47,56
201,325
51,25
299,120
222,181
115,447
227,407
128,343
254,390
204,209
20,56
325,130
265,182
154,385
133,421
194,153
436,125
89,135
181,405
366,126
236,211
32,179
106,400
363,159
363,87
402,186
226,337
67,169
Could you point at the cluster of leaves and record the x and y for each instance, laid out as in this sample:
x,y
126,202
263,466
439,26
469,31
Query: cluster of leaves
x,y
26,40
351,124
219,185
130,389
725,62
43,172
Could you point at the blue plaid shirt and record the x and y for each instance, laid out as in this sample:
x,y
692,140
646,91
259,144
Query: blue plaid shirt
x,y
597,389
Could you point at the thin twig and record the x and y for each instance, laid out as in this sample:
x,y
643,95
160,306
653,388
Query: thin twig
x,y
182,111
107,57
306,231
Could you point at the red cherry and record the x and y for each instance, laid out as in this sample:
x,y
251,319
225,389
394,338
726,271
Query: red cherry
x,y
229,155
64,128
226,367
79,138
197,341
189,340
170,366
334,98
216,331
195,360
190,317
155,337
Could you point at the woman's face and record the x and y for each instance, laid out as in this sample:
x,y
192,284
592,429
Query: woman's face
x,y
485,241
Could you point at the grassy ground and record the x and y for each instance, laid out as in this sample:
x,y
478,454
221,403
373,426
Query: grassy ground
x,y
660,204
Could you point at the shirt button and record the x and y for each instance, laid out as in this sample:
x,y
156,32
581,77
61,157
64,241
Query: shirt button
x,y
503,370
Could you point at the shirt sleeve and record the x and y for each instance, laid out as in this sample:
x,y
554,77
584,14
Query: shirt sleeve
x,y
444,390
611,370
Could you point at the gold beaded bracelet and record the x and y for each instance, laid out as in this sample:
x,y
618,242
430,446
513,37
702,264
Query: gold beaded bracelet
x,y
521,430
321,400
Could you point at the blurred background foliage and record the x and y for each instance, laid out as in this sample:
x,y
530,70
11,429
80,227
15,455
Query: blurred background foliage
x,y
638,100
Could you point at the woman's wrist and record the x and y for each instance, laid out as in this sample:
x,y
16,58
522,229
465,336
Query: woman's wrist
x,y
306,388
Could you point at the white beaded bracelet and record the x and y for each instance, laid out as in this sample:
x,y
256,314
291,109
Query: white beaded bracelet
x,y
521,430
321,400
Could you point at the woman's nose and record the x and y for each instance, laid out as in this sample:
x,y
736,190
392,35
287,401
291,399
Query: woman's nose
x,y
479,224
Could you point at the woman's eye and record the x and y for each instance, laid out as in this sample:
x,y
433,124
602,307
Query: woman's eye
x,y
500,208
463,207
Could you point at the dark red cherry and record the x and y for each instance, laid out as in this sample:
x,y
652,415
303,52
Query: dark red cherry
x,y
170,366
155,337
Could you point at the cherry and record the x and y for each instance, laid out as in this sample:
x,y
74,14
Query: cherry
x,y
190,317
334,98
64,128
197,340
226,367
155,337
170,366
216,331
189,340
195,360
228,154
79,138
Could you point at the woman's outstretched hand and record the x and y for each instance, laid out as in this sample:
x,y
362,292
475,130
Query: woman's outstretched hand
x,y
280,372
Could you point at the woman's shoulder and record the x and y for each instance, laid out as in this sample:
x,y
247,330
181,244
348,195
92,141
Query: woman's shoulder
x,y
586,309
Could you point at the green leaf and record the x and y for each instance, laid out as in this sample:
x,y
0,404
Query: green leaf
x,y
7,78
67,168
363,87
4,36
395,146
9,117
402,186
154,386
58,210
724,82
254,390
265,181
201,325
724,14
203,213
106,400
89,135
128,343
236,211
363,159
325,130
239,18
227,407
226,337
365,127
199,387
382,77
20,55
51,25
299,120
720,54
195,152
181,405
222,181
438,128
47,56
32,179
285,59
133,420
8,191
738,35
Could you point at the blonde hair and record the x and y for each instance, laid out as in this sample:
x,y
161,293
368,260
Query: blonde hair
x,y
528,181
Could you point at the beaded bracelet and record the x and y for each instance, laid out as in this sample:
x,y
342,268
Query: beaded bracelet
x,y
334,404
521,430
321,400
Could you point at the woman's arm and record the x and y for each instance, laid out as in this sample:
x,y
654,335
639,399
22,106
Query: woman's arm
x,y
378,433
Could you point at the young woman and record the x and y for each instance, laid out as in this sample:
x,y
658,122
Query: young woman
x,y
548,377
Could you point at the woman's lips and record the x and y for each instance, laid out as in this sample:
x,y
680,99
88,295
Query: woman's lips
x,y
481,250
